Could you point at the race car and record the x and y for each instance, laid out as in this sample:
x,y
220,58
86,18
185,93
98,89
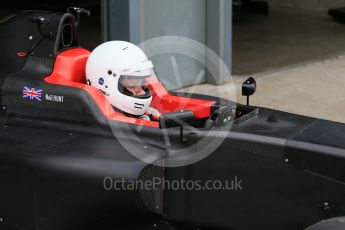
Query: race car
x,y
68,158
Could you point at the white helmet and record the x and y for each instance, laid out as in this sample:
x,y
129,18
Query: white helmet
x,y
115,62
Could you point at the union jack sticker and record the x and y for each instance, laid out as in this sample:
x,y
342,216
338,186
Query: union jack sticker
x,y
32,94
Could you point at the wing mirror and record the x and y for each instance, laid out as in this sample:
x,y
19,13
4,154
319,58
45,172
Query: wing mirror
x,y
248,88
177,119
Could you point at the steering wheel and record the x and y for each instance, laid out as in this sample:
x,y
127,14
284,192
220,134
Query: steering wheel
x,y
221,117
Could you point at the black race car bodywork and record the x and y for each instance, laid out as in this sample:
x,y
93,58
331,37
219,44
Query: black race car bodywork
x,y
60,154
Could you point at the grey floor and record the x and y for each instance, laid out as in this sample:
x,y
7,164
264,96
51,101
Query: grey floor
x,y
285,38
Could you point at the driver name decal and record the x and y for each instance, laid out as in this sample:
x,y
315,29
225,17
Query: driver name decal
x,y
54,98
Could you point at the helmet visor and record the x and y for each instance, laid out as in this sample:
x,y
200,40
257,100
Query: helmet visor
x,y
134,86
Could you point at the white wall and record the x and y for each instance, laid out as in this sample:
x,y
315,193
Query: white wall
x,y
313,5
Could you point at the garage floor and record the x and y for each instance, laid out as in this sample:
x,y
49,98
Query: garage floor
x,y
298,60
287,37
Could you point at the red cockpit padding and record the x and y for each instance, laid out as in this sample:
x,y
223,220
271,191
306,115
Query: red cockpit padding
x,y
164,102
69,70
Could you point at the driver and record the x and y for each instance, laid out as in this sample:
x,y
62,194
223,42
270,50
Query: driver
x,y
119,70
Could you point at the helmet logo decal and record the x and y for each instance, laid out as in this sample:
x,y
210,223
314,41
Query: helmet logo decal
x,y
139,106
101,81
